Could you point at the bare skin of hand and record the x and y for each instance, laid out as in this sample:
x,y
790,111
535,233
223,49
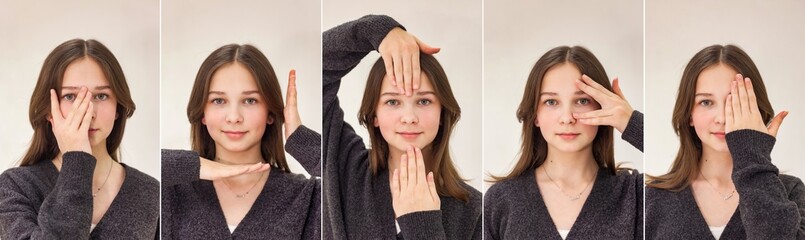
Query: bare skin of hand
x,y
400,53
741,110
411,189
291,112
212,170
615,110
72,131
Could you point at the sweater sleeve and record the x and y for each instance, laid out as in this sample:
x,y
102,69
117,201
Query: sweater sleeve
x,y
418,225
304,145
633,134
768,210
639,227
65,213
179,167
343,48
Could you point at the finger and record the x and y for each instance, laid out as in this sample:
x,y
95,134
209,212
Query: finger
x,y
776,122
424,47
395,184
593,114
388,62
743,96
78,115
403,172
407,74
736,103
412,166
616,87
595,121
592,83
728,113
398,75
750,94
420,168
432,186
84,127
55,112
417,71
79,98
290,95
593,92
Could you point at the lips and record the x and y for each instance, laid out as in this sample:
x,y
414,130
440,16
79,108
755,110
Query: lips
x,y
409,135
568,136
93,131
719,134
234,135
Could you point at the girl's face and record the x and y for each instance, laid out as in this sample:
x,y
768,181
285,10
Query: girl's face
x,y
707,116
406,121
86,72
235,113
558,99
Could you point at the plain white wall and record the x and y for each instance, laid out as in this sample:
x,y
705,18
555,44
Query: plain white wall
x,y
453,25
286,31
772,35
130,29
518,33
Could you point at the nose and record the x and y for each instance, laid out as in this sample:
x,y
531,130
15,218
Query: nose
x,y
719,118
409,115
567,116
234,115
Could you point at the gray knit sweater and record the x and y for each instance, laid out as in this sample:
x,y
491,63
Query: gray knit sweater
x,y
772,205
514,209
358,204
39,202
288,207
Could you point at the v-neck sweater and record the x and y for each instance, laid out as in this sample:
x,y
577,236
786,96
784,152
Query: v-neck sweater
x,y
515,209
41,202
357,203
288,206
771,205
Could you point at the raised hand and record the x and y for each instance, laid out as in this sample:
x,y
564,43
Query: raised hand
x,y
741,110
400,53
291,112
411,189
72,131
212,170
615,110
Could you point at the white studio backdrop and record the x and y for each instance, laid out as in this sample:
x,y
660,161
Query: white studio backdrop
x,y
772,35
518,33
130,29
286,31
453,25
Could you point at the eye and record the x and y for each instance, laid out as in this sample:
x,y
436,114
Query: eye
x,y
250,101
706,103
217,101
424,102
583,101
101,96
550,102
69,97
392,102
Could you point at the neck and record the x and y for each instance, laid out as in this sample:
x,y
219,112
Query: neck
x,y
716,166
249,156
571,167
395,156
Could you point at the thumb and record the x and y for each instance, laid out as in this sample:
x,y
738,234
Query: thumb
x,y
424,47
616,87
776,122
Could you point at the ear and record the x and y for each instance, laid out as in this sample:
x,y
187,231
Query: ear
x,y
270,120
690,122
536,122
204,120
375,122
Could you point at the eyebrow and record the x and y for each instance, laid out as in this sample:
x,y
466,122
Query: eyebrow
x,y
397,94
554,94
244,92
77,88
703,95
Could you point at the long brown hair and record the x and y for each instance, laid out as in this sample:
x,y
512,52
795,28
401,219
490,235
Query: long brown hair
x,y
271,146
534,148
448,180
43,143
686,164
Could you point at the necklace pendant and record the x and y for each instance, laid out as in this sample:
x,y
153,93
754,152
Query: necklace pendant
x,y
94,195
240,195
574,198
728,197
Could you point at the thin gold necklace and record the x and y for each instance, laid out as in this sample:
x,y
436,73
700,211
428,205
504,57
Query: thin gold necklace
x,y
724,196
248,191
572,197
95,194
